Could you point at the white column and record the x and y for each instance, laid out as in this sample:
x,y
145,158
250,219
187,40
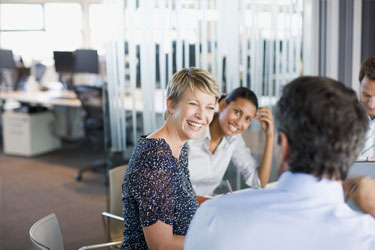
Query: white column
x,y
85,25
332,64
357,34
310,37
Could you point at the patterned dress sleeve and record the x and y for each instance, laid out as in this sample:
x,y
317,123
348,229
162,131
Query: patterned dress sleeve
x,y
153,191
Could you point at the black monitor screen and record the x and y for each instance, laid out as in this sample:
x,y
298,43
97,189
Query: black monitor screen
x,y
6,59
64,61
86,61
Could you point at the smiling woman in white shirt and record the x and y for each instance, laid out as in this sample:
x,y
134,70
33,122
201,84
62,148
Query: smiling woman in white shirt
x,y
211,153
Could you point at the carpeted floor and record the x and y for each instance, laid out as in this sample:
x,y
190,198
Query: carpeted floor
x,y
32,188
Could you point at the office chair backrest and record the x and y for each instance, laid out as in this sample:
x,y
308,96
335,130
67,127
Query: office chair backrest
x,y
45,234
116,178
91,99
40,70
92,103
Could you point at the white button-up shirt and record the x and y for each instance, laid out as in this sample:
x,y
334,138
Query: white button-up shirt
x,y
207,169
300,213
369,147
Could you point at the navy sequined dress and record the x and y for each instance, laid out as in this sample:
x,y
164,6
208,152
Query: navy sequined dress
x,y
156,187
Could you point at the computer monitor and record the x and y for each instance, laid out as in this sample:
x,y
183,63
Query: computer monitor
x,y
362,168
64,61
6,59
86,61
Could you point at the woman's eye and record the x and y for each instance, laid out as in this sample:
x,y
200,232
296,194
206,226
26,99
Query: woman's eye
x,y
211,108
236,111
248,119
193,103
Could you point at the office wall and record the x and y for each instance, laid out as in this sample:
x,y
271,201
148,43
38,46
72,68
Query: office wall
x,y
368,29
345,41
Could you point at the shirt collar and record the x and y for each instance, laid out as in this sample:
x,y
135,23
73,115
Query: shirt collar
x,y
329,191
205,134
371,121
231,138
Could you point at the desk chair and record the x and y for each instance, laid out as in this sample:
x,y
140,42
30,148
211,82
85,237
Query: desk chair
x,y
113,221
92,104
45,234
40,70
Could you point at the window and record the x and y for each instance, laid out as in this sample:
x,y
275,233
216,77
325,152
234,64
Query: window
x,y
97,21
21,17
34,31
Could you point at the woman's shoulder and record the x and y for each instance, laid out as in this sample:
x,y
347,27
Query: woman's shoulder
x,y
152,146
151,153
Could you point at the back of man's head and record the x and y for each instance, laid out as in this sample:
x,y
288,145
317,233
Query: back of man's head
x,y
367,69
325,125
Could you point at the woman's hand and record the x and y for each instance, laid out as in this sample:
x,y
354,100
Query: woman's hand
x,y
265,117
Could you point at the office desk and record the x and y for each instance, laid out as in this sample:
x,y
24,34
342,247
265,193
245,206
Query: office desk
x,y
46,98
67,107
65,104
68,98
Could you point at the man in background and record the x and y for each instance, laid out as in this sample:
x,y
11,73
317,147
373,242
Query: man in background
x,y
321,126
367,80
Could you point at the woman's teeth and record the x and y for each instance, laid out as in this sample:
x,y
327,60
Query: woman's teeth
x,y
232,128
194,124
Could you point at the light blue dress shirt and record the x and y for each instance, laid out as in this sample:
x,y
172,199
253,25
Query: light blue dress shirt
x,y
301,213
369,146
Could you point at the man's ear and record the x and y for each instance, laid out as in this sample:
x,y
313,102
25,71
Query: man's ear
x,y
222,104
283,155
283,142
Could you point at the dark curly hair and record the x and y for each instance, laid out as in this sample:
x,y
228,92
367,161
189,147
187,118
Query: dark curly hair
x,y
367,69
325,125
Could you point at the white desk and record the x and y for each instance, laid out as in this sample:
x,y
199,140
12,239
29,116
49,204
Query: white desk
x,y
69,99
29,134
46,98
64,103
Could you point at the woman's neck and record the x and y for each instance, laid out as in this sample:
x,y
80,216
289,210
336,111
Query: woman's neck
x,y
171,137
216,133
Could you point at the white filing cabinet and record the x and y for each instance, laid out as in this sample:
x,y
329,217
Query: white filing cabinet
x,y
29,134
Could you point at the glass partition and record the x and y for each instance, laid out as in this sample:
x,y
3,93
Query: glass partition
x,y
255,43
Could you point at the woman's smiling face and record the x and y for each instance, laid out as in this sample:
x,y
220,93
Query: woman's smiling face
x,y
236,116
193,113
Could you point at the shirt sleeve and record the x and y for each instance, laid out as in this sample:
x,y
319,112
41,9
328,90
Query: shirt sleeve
x,y
368,147
246,163
153,191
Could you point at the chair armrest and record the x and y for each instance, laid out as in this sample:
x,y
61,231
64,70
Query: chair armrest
x,y
100,245
105,219
106,214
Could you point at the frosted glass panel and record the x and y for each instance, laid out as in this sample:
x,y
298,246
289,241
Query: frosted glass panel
x,y
253,43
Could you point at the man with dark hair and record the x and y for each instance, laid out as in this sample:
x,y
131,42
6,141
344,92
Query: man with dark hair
x,y
367,80
321,126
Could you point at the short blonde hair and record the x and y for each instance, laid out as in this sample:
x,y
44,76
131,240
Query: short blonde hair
x,y
194,78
